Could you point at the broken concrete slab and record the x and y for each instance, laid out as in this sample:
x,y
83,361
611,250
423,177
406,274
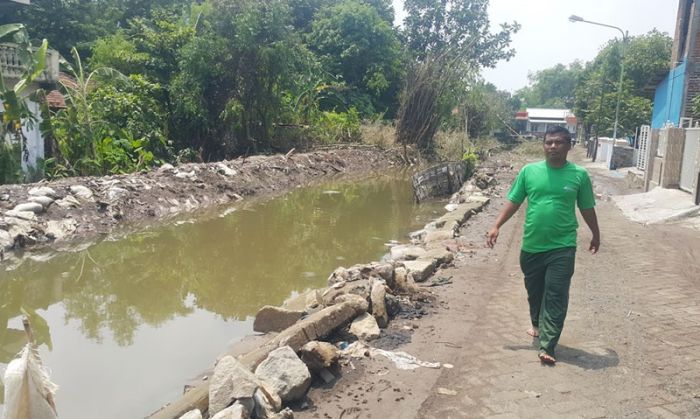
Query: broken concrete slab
x,y
377,297
365,327
236,411
420,269
231,382
286,373
441,255
313,327
275,319
319,355
402,281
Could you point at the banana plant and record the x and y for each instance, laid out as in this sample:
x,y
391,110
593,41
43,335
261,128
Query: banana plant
x,y
15,109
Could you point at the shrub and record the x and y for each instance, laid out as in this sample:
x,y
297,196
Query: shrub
x,y
336,127
470,158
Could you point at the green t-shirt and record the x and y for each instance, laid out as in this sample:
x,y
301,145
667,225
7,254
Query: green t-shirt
x,y
552,195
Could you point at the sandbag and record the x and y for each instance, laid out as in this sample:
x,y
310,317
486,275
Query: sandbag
x,y
29,392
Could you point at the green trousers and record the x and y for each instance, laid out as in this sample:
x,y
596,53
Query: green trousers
x,y
547,280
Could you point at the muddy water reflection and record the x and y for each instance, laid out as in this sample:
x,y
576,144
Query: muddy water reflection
x,y
124,324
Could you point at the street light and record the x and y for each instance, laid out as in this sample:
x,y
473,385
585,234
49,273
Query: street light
x,y
574,19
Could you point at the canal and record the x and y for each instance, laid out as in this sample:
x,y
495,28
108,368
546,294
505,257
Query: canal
x,y
123,324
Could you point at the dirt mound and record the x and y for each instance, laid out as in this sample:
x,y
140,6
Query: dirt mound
x,y
62,213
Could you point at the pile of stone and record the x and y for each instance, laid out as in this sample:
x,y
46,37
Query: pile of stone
x,y
360,301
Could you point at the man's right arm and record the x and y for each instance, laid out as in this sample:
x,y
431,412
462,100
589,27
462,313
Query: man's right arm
x,y
506,213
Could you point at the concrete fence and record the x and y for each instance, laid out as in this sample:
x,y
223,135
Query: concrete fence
x,y
673,160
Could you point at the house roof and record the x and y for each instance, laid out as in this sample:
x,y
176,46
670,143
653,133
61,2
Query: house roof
x,y
55,100
548,113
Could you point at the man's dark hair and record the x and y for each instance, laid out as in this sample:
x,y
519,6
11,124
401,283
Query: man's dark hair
x,y
557,131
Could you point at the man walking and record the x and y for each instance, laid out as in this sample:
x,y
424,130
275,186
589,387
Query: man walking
x,y
553,188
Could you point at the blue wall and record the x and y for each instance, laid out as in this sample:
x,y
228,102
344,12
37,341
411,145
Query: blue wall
x,y
668,100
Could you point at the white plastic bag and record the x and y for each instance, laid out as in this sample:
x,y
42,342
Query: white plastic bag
x,y
29,392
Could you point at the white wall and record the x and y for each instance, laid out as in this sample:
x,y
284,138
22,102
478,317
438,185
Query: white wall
x,y
35,142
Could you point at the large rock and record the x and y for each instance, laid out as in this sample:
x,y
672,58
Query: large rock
x,y
403,281
235,411
275,319
353,299
365,327
360,287
286,373
385,271
192,414
82,192
319,355
34,207
420,269
263,407
377,298
231,382
316,326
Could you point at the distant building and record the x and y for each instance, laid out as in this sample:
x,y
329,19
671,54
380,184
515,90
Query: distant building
x,y
672,100
12,70
536,121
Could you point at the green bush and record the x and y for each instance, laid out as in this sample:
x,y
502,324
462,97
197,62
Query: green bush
x,y
470,158
10,168
336,127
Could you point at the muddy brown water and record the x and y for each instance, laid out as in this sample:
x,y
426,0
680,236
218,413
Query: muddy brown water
x,y
123,324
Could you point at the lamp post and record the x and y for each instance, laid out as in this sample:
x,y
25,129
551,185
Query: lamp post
x,y
574,19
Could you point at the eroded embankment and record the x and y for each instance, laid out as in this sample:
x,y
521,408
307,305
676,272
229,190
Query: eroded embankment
x,y
358,303
67,212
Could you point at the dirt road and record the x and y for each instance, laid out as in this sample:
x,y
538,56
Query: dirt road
x,y
630,347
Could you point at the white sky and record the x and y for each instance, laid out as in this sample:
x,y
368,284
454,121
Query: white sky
x,y
547,38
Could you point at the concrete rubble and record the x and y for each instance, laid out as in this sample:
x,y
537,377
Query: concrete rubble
x,y
275,319
286,373
359,301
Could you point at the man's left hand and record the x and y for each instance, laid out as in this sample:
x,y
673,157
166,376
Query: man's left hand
x,y
595,245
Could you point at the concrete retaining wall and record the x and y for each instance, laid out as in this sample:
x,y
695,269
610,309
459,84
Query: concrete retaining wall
x,y
442,180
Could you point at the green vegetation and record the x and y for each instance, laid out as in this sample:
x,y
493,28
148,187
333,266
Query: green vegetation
x,y
15,110
173,80
590,89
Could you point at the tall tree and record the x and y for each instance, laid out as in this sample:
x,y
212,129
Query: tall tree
x,y
553,87
353,41
450,41
646,60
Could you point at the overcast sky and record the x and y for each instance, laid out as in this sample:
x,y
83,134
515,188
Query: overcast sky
x,y
547,37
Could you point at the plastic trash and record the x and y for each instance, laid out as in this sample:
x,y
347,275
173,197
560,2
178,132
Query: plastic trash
x,y
29,392
401,360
